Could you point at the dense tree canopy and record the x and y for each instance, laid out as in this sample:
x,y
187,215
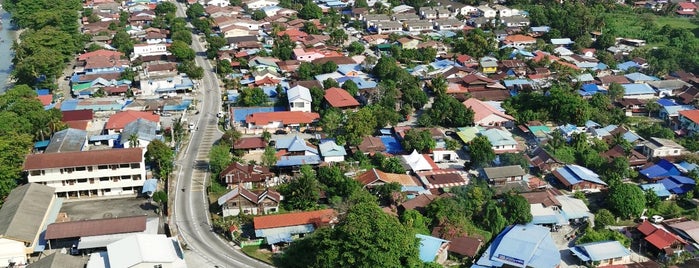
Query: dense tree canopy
x,y
626,200
481,152
301,193
420,140
161,156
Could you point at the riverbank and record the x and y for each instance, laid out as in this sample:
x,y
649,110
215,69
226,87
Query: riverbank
x,y
8,34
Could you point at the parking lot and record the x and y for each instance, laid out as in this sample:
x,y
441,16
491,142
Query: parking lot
x,y
88,209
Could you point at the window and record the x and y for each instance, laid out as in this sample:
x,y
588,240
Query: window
x,y
92,180
102,167
104,179
80,169
82,180
124,165
89,168
35,172
136,165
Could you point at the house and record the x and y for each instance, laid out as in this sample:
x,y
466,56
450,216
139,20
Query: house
x,y
78,119
657,188
577,178
387,27
299,99
504,174
91,234
258,4
419,26
281,228
340,98
117,122
248,202
463,246
441,155
544,160
110,172
307,56
143,130
140,50
296,146
638,91
661,169
488,65
419,203
371,145
678,185
688,9
604,253
432,249
248,176
487,115
658,240
666,88
689,121
636,159
639,78
515,21
551,208
374,177
501,140
24,215
250,144
522,246
657,147
519,41
416,162
282,119
687,229
67,140
331,152
58,259
408,43
486,11
690,95
140,250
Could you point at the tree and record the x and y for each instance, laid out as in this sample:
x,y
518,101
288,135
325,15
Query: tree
x,y
493,220
317,94
336,183
350,87
162,156
283,47
439,85
626,200
338,37
420,140
310,11
252,97
269,157
508,159
328,83
133,141
415,221
181,51
652,199
517,209
184,36
195,10
481,151
604,218
615,91
355,48
192,70
160,197
259,15
331,121
230,137
302,193
223,67
447,111
361,3
364,237
359,124
219,158
164,8
388,164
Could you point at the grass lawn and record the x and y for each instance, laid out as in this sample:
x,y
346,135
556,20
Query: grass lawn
x,y
631,26
675,22
255,252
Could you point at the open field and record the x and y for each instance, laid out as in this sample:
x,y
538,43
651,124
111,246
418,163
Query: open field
x,y
631,25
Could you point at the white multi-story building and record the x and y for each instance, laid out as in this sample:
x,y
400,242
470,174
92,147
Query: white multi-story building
x,y
82,174
149,50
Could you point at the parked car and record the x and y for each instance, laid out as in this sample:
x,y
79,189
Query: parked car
x,y
281,132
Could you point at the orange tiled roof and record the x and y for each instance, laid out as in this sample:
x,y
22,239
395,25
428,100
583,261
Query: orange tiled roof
x,y
121,119
317,217
340,98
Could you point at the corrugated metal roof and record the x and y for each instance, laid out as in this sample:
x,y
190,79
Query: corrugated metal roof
x,y
24,210
96,227
598,251
67,140
429,247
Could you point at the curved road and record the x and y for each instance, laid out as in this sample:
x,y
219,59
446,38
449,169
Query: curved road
x,y
191,211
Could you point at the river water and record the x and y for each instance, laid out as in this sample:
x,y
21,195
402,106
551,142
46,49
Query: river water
x,y
7,36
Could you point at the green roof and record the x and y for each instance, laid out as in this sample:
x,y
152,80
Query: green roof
x,y
467,134
81,87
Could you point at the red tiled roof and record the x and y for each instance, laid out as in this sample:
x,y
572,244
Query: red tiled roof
x,y
76,115
96,227
46,99
419,202
236,173
661,239
482,110
100,53
373,175
519,38
121,119
692,115
317,217
340,98
82,124
286,117
250,143
465,246
83,158
646,228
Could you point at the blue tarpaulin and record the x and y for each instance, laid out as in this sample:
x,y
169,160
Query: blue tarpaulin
x,y
149,186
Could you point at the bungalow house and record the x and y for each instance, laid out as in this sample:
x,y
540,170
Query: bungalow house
x,y
488,65
522,246
660,170
487,115
577,178
515,21
250,144
544,161
657,147
504,174
144,131
371,145
551,208
374,178
331,152
639,78
501,140
657,188
486,11
258,4
23,217
418,26
90,235
688,9
340,98
248,176
678,185
307,56
660,241
448,24
281,228
689,121
638,91
604,253
605,81
690,96
295,146
443,178
117,122
299,99
519,41
636,159
283,119
432,249
241,200
666,88
408,43
140,250
687,229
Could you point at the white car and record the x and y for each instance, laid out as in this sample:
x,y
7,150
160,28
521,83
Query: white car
x,y
192,126
657,219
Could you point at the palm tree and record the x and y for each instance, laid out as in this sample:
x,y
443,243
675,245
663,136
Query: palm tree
x,y
133,141
439,85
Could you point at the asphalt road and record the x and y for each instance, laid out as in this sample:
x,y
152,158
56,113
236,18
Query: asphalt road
x,y
191,209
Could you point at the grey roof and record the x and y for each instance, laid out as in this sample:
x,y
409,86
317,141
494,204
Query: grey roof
x,y
22,215
144,129
503,172
299,92
655,143
67,140
58,260
668,84
294,144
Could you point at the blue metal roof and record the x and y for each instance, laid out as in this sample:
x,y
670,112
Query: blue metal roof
x,y
637,89
667,102
239,114
516,82
41,144
42,92
330,148
69,105
522,246
688,166
575,174
392,144
658,188
429,247
591,123
149,186
626,65
298,160
636,77
599,251
294,144
661,169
